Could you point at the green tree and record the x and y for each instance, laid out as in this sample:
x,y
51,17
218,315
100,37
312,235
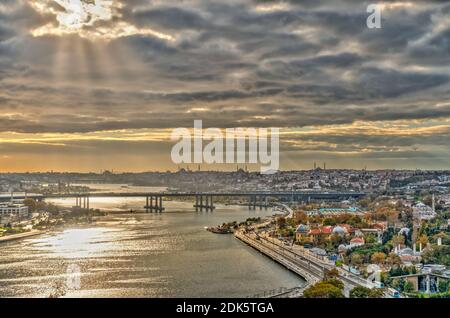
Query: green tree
x,y
31,204
357,260
393,259
301,217
335,282
423,239
329,221
399,284
330,274
376,293
323,290
370,238
364,292
360,292
40,206
281,222
437,255
443,286
378,258
337,240
398,240
408,287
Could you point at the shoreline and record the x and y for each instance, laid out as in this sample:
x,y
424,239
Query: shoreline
x,y
19,236
13,237
281,260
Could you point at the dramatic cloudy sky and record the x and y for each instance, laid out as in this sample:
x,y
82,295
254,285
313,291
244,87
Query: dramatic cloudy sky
x,y
87,85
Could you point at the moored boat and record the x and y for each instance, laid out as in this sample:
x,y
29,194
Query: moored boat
x,y
219,230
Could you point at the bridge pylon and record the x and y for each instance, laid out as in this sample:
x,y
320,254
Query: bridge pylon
x,y
157,206
82,201
208,205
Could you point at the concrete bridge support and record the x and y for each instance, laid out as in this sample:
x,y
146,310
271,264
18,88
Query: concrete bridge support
x,y
82,201
154,206
261,201
201,205
252,202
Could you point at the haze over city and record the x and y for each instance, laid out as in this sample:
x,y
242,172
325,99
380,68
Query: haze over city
x,y
102,86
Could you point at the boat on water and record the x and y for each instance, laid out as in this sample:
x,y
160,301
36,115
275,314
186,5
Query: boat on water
x,y
219,230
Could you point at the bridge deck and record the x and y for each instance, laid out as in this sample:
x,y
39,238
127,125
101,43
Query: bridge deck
x,y
312,195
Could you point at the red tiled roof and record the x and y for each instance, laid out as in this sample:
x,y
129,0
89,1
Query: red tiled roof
x,y
380,226
357,240
315,232
327,229
406,258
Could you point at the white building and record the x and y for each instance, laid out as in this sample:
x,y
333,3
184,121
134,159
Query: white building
x,y
445,200
13,209
422,211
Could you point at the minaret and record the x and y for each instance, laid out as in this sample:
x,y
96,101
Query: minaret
x,y
315,165
432,203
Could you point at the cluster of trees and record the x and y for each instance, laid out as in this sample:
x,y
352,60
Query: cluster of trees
x,y
329,287
301,217
367,253
286,227
250,221
372,255
402,270
364,292
353,220
437,255
281,222
443,286
332,287
433,227
40,206
384,211
403,285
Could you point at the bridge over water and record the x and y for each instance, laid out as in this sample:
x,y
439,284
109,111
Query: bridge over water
x,y
203,200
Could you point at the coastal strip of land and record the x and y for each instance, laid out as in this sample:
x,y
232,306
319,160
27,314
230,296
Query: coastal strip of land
x,y
304,265
295,266
19,236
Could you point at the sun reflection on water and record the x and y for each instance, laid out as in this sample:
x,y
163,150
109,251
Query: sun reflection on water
x,y
78,243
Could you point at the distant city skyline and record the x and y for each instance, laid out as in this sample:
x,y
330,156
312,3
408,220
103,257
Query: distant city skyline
x,y
102,86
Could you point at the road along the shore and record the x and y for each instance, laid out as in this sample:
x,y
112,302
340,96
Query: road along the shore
x,y
311,269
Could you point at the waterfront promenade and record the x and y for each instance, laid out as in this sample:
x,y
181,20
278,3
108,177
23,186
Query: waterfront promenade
x,y
299,261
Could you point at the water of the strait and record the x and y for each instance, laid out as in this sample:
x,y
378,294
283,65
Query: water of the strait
x,y
142,255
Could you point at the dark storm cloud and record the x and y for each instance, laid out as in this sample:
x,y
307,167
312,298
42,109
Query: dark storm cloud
x,y
170,18
308,63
